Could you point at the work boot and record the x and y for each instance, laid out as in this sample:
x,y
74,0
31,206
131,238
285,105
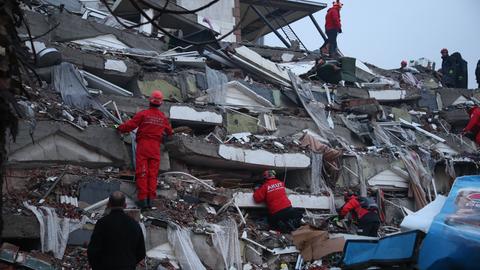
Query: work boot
x,y
149,203
142,204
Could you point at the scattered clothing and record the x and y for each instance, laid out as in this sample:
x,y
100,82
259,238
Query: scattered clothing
x,y
117,242
152,126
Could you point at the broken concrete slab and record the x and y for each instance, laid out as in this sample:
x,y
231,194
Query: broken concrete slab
x,y
213,198
94,191
245,199
260,67
189,115
264,158
29,229
88,29
202,153
59,143
393,95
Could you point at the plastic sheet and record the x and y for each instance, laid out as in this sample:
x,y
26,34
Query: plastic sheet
x,y
216,81
423,218
69,83
225,241
54,231
182,245
453,241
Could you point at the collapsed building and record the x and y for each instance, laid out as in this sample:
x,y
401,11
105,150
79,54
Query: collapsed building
x,y
237,107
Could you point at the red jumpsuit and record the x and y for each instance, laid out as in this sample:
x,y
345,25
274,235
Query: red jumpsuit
x,y
273,193
332,19
152,125
474,123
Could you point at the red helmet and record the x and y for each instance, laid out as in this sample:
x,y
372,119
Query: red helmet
x,y
403,63
156,97
269,174
444,50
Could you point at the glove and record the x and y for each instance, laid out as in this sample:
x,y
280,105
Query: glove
x,y
115,126
340,30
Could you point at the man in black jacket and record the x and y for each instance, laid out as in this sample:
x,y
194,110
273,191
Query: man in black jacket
x,y
117,241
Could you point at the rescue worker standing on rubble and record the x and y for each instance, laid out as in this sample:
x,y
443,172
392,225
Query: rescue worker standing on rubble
x,y
333,27
366,215
472,130
447,71
117,240
282,216
152,126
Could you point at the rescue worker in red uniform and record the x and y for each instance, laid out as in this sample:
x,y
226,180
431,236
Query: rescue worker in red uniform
x,y
473,126
272,192
368,219
152,126
333,27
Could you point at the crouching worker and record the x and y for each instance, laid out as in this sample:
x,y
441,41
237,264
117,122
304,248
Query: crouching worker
x,y
364,212
282,216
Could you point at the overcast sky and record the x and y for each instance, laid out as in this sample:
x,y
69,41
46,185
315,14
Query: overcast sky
x,y
383,32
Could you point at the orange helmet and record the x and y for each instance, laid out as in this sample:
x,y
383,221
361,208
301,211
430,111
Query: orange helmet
x,y
156,97
269,174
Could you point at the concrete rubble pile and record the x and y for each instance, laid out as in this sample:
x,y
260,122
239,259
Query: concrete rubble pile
x,y
237,109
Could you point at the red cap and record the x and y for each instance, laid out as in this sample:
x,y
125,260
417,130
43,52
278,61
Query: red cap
x,y
156,97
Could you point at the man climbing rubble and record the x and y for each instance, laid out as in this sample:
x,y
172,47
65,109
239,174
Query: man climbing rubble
x,y
333,27
282,216
472,130
117,241
364,211
152,126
